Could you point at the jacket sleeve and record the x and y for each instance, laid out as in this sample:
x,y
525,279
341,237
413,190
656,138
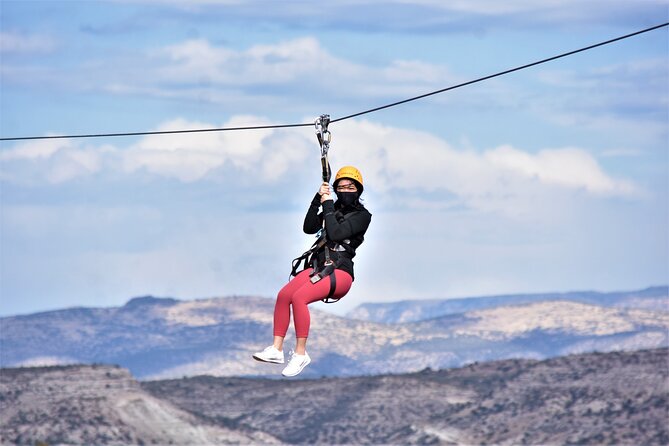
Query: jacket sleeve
x,y
313,221
356,223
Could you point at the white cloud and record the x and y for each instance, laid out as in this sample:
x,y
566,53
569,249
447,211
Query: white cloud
x,y
75,163
568,167
623,98
569,8
301,64
34,149
191,157
488,7
186,5
272,64
12,42
422,15
627,99
55,160
646,75
302,73
503,179
401,166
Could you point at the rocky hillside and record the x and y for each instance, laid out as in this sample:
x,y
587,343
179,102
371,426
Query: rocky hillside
x,y
612,398
619,398
99,405
162,338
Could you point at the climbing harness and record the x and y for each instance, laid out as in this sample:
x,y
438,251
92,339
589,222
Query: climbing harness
x,y
330,249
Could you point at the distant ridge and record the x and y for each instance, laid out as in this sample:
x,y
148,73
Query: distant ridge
x,y
164,337
150,300
651,298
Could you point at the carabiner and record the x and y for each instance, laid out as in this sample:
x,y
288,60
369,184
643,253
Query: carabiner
x,y
322,133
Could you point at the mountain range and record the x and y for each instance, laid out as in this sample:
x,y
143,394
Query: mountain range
x,y
652,298
165,338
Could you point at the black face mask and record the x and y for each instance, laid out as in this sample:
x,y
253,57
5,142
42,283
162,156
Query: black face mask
x,y
347,198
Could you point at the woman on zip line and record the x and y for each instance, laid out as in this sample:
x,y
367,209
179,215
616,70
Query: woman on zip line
x,y
328,272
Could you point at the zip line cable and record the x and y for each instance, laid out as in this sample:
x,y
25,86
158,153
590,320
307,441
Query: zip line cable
x,y
501,73
371,110
159,132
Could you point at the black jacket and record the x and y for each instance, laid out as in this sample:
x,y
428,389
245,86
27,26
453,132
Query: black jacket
x,y
343,225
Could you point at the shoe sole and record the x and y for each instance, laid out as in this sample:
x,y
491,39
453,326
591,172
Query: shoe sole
x,y
299,370
258,358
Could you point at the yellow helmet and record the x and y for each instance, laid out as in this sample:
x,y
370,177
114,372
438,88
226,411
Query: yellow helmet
x,y
349,172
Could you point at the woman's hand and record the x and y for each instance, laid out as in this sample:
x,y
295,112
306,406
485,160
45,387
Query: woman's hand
x,y
325,192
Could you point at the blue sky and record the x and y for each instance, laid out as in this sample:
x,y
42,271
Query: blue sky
x,y
550,179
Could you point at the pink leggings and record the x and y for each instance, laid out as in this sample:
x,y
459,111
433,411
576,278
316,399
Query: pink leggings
x,y
299,293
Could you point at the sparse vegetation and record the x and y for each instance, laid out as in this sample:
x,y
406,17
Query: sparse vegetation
x,y
583,399
617,398
96,405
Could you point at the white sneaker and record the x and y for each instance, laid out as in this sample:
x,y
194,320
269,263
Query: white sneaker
x,y
270,354
296,364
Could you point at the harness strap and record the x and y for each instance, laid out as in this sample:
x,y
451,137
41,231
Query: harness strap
x,y
328,260
333,286
296,263
327,271
309,256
